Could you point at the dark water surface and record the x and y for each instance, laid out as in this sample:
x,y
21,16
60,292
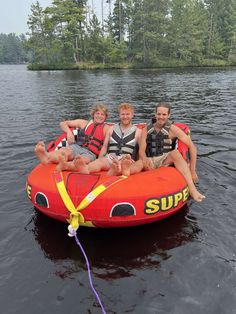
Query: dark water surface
x,y
186,264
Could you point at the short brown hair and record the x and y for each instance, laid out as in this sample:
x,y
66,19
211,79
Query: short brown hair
x,y
98,107
125,106
164,105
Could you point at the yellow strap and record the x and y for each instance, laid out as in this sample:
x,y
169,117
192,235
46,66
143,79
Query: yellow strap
x,y
75,216
97,191
66,198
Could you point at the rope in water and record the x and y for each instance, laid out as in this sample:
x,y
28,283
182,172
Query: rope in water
x,y
89,272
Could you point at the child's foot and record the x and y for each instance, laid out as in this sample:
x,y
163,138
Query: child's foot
x,y
197,196
125,165
41,153
115,169
62,164
80,165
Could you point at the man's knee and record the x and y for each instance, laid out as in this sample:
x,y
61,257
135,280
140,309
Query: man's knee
x,y
175,154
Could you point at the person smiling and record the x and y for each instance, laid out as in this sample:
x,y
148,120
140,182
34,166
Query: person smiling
x,y
119,149
156,149
89,141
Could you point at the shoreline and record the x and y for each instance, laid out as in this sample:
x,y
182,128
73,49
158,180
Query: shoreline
x,y
125,66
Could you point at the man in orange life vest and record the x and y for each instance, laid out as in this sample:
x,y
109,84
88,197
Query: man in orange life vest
x,y
156,149
89,141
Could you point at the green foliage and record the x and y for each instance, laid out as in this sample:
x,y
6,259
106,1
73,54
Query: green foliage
x,y
137,33
56,32
12,49
94,42
222,28
120,19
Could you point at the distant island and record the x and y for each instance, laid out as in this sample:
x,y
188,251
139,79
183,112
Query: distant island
x,y
136,34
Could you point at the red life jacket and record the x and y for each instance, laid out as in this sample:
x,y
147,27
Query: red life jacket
x,y
92,137
180,145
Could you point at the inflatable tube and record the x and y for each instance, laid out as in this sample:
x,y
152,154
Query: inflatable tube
x,y
104,201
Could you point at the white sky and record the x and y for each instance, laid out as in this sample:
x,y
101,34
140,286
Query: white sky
x,y
14,13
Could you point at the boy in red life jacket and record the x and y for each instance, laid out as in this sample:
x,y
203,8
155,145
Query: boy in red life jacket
x,y
89,141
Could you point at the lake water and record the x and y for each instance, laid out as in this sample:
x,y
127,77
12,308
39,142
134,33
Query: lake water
x,y
186,264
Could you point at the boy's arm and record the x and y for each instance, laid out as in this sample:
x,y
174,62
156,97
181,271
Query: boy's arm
x,y
143,144
104,148
66,125
142,150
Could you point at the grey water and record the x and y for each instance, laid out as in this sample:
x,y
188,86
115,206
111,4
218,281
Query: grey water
x,y
184,264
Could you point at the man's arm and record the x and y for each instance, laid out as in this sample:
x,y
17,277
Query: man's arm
x,y
66,125
104,148
143,144
138,135
142,150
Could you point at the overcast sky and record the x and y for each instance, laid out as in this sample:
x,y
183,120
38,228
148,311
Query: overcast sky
x,y
14,14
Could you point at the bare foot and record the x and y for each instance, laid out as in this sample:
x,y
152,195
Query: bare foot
x,y
115,169
197,196
125,165
62,164
80,165
41,153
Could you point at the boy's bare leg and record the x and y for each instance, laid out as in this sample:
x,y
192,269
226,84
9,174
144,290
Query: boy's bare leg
x,y
63,164
115,168
125,165
136,167
51,157
94,166
80,165
129,167
176,158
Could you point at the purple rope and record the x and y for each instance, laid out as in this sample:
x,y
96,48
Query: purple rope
x,y
89,273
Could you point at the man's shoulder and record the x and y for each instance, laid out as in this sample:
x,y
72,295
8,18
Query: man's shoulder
x,y
175,131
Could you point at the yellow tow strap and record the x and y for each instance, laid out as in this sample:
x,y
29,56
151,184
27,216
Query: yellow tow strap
x,y
76,216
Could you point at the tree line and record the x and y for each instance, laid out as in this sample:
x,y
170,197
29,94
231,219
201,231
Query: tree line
x,y
136,33
12,49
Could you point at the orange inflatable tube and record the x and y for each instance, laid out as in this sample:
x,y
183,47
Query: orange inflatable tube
x,y
104,201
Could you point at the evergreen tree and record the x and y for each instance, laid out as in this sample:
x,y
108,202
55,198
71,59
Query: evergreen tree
x,y
12,48
56,33
119,20
69,18
149,23
187,30
222,27
41,38
94,41
148,33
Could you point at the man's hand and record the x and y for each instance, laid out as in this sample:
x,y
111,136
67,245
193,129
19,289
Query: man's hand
x,y
70,137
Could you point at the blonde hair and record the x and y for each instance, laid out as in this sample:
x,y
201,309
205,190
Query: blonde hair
x,y
98,107
126,106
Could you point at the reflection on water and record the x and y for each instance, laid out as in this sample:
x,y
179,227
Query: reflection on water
x,y
113,253
184,264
